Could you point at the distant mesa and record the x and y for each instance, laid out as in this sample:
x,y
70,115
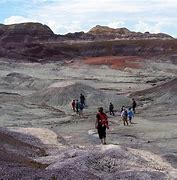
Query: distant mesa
x,y
36,42
123,33
107,30
32,32
24,32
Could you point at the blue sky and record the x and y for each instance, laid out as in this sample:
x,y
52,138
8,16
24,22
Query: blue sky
x,y
64,16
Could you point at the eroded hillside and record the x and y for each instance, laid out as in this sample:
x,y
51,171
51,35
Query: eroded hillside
x,y
36,42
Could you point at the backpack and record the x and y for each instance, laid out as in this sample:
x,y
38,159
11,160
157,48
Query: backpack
x,y
103,119
81,106
111,106
77,104
125,114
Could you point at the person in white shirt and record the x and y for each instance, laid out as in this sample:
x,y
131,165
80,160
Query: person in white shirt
x,y
124,115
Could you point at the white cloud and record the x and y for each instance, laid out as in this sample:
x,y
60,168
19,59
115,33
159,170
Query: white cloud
x,y
74,14
64,16
80,6
143,27
74,26
116,24
64,13
64,28
17,19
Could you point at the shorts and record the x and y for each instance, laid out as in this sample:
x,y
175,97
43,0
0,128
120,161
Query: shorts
x,y
101,131
124,118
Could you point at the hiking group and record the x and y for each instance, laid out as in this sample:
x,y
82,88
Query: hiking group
x,y
78,106
101,123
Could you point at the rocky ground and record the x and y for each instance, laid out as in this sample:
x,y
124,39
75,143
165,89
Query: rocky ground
x,y
42,138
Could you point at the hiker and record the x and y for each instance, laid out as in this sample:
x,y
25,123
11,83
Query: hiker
x,y
82,99
122,108
73,105
130,114
77,106
111,109
124,116
133,105
81,107
101,124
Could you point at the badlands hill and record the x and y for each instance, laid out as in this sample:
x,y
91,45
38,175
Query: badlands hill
x,y
61,94
36,42
105,32
28,32
163,96
24,32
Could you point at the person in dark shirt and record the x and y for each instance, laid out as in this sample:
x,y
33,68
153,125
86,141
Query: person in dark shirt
x,y
134,105
111,109
82,99
77,106
81,107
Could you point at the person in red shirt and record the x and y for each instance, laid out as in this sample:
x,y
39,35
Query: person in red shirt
x,y
73,105
101,124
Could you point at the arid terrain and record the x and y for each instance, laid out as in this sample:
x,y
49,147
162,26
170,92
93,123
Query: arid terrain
x,y
42,138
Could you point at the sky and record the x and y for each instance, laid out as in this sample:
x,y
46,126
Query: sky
x,y
64,16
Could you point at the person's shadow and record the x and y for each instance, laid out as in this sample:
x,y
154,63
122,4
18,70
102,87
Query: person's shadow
x,y
133,123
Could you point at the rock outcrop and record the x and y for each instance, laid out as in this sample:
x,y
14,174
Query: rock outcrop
x,y
35,32
35,42
24,32
104,32
100,33
107,30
